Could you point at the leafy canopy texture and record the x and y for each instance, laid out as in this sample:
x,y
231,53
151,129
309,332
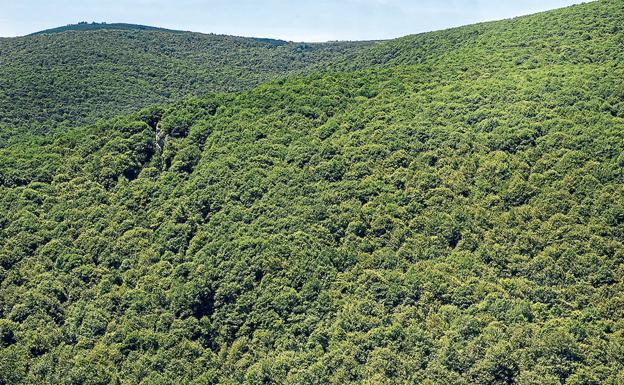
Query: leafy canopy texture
x,y
450,219
87,72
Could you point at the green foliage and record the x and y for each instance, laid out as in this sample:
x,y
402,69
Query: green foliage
x,y
103,70
84,26
413,223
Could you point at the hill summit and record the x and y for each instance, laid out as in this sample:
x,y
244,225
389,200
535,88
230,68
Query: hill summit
x,y
94,26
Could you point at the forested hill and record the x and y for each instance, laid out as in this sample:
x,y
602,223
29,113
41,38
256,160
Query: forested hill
x,y
565,35
77,76
84,26
454,221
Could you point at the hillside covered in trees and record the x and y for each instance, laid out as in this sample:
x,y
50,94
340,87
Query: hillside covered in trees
x,y
77,74
444,208
93,26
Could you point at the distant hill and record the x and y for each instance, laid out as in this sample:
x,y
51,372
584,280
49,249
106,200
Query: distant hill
x,y
77,74
84,26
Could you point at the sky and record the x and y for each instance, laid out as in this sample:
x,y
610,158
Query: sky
x,y
294,20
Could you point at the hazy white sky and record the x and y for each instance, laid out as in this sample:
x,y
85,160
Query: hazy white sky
x,y
297,20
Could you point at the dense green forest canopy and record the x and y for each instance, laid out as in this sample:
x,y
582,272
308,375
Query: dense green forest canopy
x,y
450,213
85,26
65,79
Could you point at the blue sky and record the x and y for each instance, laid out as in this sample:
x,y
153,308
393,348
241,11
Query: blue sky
x,y
297,20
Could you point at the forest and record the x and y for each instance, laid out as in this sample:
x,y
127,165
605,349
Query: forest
x,y
71,76
444,208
